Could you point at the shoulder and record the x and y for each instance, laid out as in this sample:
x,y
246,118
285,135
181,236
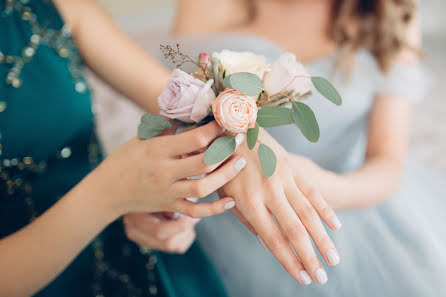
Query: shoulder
x,y
76,12
410,55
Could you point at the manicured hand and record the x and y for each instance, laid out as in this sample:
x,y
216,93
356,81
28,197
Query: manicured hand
x,y
268,206
152,175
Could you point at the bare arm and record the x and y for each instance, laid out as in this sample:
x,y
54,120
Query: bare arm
x,y
141,176
112,55
46,246
388,133
379,176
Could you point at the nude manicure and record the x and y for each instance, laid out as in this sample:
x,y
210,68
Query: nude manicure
x,y
229,205
321,276
240,164
336,222
305,277
239,139
333,257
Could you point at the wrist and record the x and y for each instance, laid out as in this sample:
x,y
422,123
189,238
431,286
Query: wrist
x,y
94,191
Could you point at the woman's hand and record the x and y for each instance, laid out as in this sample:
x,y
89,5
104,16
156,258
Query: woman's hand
x,y
259,199
160,232
152,175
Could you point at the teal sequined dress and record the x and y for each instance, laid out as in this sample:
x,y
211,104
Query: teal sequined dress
x,y
47,145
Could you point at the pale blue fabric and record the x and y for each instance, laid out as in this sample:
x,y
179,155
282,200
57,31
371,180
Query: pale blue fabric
x,y
395,249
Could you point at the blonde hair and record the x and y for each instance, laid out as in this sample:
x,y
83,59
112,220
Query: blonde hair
x,y
380,26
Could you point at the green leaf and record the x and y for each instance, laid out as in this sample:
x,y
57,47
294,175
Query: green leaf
x,y
267,159
306,121
152,125
327,90
252,135
273,116
246,83
227,81
219,150
156,120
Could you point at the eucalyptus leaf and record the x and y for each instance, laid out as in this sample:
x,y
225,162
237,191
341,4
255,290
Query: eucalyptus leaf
x,y
306,121
219,150
327,90
267,159
273,116
152,125
252,135
227,82
246,83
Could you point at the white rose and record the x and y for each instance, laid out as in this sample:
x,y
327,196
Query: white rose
x,y
287,75
234,62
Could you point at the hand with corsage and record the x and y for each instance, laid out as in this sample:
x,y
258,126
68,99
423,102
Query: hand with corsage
x,y
244,94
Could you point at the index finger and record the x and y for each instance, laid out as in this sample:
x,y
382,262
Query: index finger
x,y
277,244
193,140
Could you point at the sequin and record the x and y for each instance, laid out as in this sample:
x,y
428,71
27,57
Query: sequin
x,y
16,82
80,87
35,38
3,106
153,290
28,52
63,52
9,59
65,152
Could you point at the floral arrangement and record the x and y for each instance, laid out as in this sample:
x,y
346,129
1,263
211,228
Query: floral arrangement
x,y
242,93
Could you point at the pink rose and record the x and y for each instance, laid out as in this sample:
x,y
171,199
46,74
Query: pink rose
x,y
204,59
235,111
186,98
204,66
287,75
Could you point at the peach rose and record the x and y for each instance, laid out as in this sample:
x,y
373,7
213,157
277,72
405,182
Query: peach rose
x,y
235,111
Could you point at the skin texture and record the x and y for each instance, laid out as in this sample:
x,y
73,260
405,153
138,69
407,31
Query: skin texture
x,y
141,176
301,192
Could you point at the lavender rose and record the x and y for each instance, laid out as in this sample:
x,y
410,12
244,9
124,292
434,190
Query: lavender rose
x,y
287,75
186,98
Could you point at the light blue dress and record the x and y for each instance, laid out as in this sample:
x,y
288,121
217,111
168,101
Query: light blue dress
x,y
394,249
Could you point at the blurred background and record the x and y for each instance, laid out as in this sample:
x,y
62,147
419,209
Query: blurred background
x,y
428,139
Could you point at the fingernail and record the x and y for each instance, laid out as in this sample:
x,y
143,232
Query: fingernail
x,y
239,139
321,276
261,242
195,221
240,164
230,205
177,216
305,277
333,257
336,222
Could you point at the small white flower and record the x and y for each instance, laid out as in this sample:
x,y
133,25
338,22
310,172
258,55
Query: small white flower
x,y
234,62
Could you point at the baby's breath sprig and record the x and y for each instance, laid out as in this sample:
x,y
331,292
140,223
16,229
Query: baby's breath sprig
x,y
176,56
179,58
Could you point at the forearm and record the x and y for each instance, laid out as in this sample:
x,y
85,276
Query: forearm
x,y
113,56
36,254
369,185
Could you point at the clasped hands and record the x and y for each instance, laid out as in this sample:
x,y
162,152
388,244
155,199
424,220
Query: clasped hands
x,y
281,213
